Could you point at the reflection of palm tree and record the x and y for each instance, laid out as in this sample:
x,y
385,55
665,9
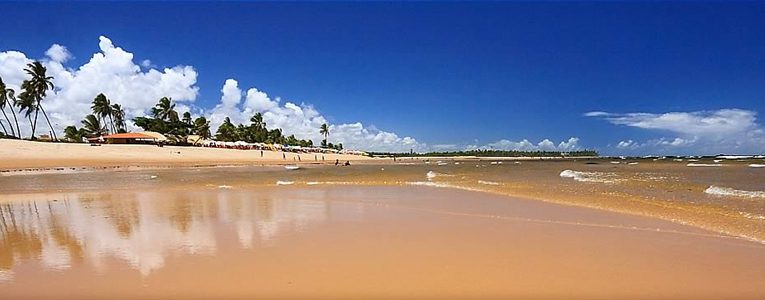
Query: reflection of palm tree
x,y
35,89
325,131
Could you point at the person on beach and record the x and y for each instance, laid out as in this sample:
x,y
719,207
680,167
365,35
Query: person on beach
x,y
347,163
284,156
337,162
261,153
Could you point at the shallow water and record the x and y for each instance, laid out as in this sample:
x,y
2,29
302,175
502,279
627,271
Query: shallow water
x,y
729,198
212,240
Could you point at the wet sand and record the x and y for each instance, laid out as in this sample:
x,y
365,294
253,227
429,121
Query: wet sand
x,y
330,242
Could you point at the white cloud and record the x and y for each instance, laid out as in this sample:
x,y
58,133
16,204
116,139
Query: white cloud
x,y
58,53
111,71
302,120
709,132
572,144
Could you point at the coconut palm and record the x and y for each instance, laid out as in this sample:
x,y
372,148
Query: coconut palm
x,y
202,127
7,97
92,126
27,106
73,134
102,108
35,89
4,101
324,130
119,117
165,110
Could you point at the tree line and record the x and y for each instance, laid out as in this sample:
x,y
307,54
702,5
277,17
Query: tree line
x,y
490,153
108,118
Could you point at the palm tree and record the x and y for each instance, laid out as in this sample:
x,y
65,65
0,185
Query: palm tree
x,y
73,134
119,117
4,99
324,129
26,105
92,126
102,108
35,90
202,127
9,98
165,110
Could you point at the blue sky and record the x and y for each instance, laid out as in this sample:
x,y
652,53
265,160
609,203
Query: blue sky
x,y
457,74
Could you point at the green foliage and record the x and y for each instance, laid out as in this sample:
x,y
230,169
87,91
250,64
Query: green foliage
x,y
33,92
165,120
92,126
72,134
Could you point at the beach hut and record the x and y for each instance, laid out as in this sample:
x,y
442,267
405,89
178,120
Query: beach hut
x,y
129,138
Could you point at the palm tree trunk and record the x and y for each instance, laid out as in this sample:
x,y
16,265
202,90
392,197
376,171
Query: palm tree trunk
x,y
114,129
18,130
34,125
31,125
3,126
9,123
53,131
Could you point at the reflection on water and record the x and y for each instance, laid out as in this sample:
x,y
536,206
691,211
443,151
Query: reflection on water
x,y
142,229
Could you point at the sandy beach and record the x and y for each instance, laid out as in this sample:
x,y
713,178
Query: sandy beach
x,y
36,155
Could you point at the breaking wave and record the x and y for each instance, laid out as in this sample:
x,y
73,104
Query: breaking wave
x,y
730,192
703,165
600,177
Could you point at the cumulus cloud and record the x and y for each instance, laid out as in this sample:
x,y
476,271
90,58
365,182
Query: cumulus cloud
x,y
572,144
724,130
58,53
302,120
111,71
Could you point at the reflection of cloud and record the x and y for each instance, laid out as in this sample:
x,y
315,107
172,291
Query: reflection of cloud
x,y
6,275
264,219
141,229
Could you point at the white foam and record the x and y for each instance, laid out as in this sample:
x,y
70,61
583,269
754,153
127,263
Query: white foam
x,y
703,165
313,183
600,177
633,163
283,182
488,182
224,186
431,175
757,166
735,156
292,167
153,177
730,192
615,162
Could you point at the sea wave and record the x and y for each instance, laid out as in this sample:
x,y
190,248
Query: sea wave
x,y
283,182
757,166
703,165
488,182
730,192
600,177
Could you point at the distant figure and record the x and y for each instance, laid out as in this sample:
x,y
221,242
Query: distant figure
x,y
299,158
261,153
284,156
394,159
322,158
337,162
347,163
315,158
